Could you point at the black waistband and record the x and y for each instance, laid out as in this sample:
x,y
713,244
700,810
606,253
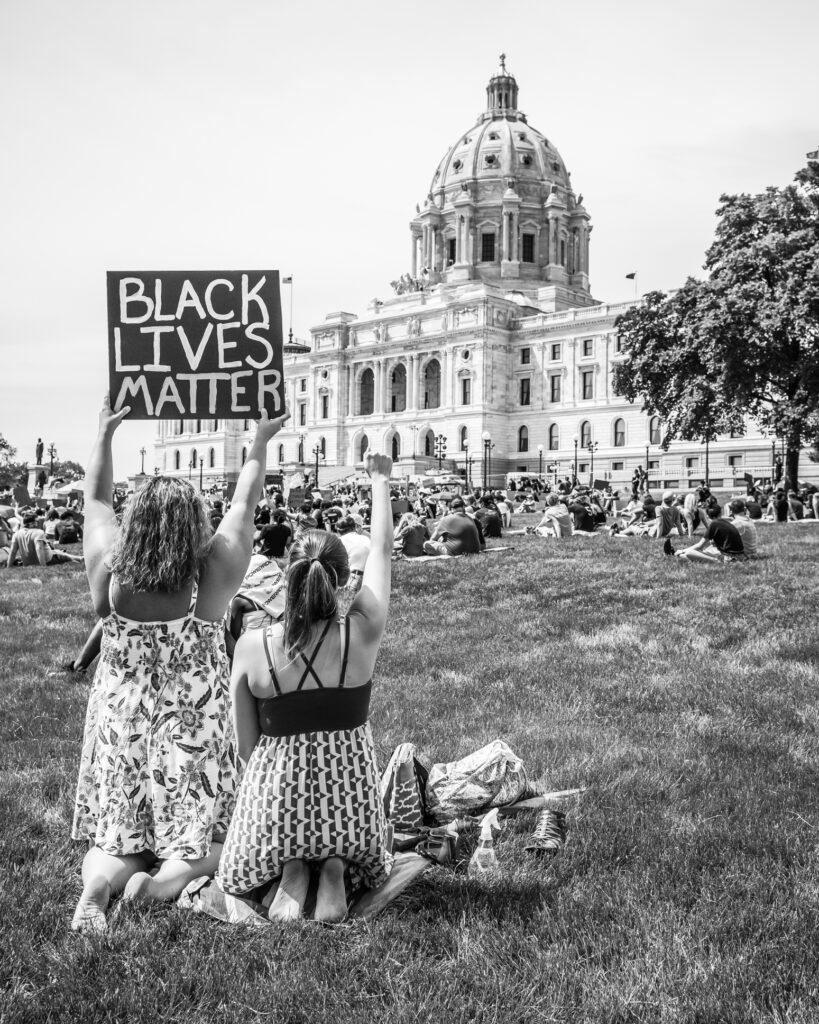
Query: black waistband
x,y
329,709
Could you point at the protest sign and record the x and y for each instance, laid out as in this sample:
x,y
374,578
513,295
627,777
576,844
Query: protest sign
x,y
195,344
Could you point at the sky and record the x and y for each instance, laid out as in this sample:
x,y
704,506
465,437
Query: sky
x,y
194,134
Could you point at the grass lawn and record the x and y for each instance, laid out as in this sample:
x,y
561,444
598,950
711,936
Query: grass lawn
x,y
683,696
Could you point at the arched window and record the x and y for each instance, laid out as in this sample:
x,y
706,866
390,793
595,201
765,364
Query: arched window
x,y
198,426
323,447
364,444
176,459
619,433
281,454
366,393
523,439
429,443
211,458
585,434
300,452
216,424
244,456
398,389
194,463
463,439
396,447
180,427
654,430
432,384
554,438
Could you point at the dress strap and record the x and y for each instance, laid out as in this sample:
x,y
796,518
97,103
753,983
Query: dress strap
x,y
110,593
269,656
194,595
345,647
308,664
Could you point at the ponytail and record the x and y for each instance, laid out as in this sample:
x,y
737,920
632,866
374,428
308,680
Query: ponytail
x,y
318,567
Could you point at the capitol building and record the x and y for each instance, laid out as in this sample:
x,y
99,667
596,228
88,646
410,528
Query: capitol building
x,y
491,346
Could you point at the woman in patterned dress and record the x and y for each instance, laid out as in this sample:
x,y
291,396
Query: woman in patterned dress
x,y
158,768
301,689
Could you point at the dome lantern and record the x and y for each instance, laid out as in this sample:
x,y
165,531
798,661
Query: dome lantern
x,y
502,92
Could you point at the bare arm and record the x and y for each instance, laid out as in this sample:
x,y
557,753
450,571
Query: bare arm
x,y
233,541
243,703
100,522
368,613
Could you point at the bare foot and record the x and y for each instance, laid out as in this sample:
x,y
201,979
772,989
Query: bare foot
x,y
90,913
292,892
331,899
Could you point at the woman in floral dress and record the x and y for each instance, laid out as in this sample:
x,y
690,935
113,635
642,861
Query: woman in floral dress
x,y
158,768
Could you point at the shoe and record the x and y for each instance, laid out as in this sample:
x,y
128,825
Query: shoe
x,y
668,547
549,835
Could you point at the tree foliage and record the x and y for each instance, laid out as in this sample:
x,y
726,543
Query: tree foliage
x,y
746,340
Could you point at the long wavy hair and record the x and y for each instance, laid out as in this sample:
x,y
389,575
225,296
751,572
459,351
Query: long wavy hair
x,y
164,537
318,566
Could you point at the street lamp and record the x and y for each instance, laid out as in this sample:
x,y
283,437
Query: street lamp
x,y
52,454
540,460
300,453
142,467
592,447
707,475
319,454
486,437
575,459
467,463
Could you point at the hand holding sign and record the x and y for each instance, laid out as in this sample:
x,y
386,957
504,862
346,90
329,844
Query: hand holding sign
x,y
267,428
110,420
202,343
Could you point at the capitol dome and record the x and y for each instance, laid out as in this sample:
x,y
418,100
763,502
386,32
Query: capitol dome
x,y
501,207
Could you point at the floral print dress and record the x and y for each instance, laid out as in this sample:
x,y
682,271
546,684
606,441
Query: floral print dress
x,y
158,768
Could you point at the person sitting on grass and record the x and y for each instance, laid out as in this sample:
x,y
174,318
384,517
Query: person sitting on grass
x,y
722,541
667,517
30,547
488,515
585,523
556,521
456,534
158,768
409,536
747,530
310,793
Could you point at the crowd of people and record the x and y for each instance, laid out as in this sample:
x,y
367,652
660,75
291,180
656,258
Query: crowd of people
x,y
236,642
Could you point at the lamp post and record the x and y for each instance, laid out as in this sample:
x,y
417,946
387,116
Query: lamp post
x,y
592,447
318,454
486,437
467,463
647,466
142,467
52,454
707,475
201,471
540,460
575,459
300,452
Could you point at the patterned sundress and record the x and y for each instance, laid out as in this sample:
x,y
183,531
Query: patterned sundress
x,y
158,768
314,790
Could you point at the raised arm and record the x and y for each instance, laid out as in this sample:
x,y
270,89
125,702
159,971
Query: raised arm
x,y
233,541
243,703
368,613
100,522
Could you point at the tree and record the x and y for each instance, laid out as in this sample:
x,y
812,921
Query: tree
x,y
749,334
68,470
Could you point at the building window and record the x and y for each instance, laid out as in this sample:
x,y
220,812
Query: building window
x,y
300,451
450,246
432,384
466,390
617,467
325,406
366,393
618,344
281,454
302,414
323,447
303,385
525,392
488,247
398,389
180,427
588,384
525,355
528,248
554,438
554,387
563,254
176,460
654,465
363,445
211,458
654,430
555,351
692,464
588,346
585,434
463,438
523,439
194,462
619,433
429,443
734,461
396,447
244,456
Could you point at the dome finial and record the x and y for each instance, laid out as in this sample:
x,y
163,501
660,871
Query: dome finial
x,y
503,63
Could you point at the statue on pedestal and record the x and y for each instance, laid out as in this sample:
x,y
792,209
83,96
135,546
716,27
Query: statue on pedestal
x,y
39,452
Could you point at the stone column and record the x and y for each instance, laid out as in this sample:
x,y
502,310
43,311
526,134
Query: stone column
x,y
351,390
414,254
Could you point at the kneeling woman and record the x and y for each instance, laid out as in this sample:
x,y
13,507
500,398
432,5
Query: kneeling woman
x,y
301,693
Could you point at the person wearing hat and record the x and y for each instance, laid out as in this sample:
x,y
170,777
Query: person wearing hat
x,y
456,534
